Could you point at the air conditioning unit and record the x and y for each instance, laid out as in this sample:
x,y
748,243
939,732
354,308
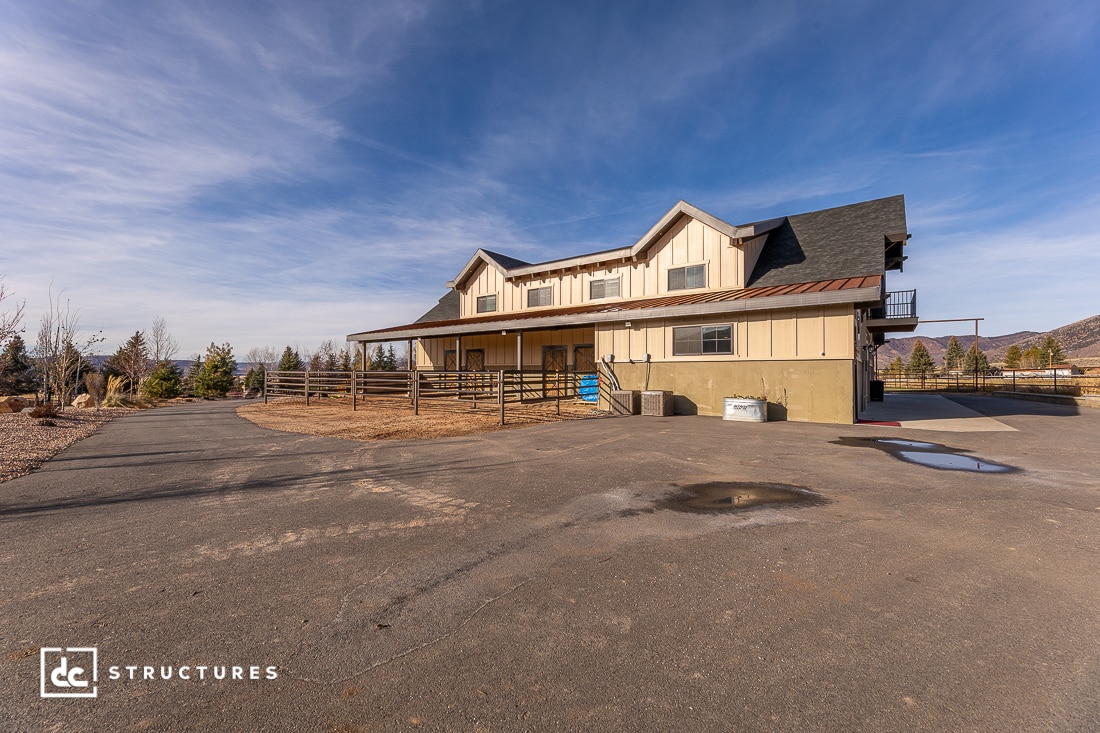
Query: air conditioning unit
x,y
657,403
625,401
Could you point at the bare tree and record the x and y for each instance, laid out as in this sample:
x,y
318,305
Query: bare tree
x,y
59,351
263,356
162,346
9,321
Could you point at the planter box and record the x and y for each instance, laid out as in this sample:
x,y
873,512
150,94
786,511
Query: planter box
x,y
744,409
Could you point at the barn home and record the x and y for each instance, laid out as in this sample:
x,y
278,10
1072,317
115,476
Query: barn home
x,y
790,309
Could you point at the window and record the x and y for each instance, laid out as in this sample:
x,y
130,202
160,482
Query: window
x,y
540,296
608,288
683,278
695,340
486,303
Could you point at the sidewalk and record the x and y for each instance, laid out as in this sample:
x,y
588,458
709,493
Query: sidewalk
x,y
929,412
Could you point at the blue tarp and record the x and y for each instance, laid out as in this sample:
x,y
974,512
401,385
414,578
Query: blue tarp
x,y
589,388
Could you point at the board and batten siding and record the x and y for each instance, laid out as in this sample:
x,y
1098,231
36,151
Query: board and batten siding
x,y
689,242
825,332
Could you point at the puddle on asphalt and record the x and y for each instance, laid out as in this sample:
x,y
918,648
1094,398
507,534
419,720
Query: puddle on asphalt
x,y
932,455
951,461
908,443
732,496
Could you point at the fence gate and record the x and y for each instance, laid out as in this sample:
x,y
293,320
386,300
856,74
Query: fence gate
x,y
553,371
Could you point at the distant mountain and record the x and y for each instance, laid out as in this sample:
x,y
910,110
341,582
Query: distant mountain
x,y
1078,340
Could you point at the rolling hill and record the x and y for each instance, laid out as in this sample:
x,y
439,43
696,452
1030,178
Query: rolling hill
x,y
1078,340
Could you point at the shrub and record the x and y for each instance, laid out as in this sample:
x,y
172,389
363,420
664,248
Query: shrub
x,y
165,382
44,409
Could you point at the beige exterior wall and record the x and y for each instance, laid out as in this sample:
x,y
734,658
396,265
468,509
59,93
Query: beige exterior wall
x,y
803,391
826,332
727,264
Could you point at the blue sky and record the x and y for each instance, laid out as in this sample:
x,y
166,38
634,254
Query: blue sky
x,y
272,173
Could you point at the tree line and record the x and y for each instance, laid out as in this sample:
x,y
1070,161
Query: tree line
x,y
57,367
326,358
921,363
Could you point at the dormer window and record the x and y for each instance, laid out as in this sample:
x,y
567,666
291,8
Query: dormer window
x,y
540,296
608,288
685,278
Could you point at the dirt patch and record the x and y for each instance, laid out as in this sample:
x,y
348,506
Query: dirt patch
x,y
385,418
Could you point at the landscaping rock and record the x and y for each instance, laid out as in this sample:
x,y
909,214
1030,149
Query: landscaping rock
x,y
13,404
84,400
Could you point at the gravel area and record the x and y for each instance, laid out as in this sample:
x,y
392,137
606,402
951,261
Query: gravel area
x,y
26,442
383,418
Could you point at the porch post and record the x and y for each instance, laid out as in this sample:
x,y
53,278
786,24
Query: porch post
x,y
519,363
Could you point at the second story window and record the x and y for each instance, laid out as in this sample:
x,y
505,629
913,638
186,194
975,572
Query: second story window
x,y
487,304
684,278
608,288
540,296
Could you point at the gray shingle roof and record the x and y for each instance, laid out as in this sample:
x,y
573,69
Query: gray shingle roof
x,y
847,241
508,263
445,310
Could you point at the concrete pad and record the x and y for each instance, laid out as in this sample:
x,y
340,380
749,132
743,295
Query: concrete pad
x,y
930,412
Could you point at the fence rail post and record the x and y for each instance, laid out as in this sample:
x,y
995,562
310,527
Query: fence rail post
x,y
306,383
354,392
500,394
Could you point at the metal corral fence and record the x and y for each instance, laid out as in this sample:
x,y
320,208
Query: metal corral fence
x,y
501,387
1074,386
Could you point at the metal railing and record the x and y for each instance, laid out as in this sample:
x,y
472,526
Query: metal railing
x,y
901,304
1069,385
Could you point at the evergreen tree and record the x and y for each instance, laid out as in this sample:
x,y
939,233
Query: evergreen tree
x,y
1050,352
377,358
391,360
132,361
217,374
953,357
164,382
16,370
920,361
290,361
1031,358
1013,357
897,367
255,377
345,360
192,375
975,361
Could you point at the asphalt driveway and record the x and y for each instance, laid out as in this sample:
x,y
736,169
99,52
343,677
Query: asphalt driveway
x,y
553,578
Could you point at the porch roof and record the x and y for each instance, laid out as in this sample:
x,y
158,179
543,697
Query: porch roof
x,y
709,303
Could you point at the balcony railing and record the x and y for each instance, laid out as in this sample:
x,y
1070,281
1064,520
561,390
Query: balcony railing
x,y
901,304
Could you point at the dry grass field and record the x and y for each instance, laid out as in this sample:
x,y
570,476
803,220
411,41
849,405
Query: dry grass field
x,y
386,418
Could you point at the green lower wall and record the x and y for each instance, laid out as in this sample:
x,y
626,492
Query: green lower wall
x,y
806,391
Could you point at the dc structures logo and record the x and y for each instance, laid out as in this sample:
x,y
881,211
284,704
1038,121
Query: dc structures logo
x,y
69,671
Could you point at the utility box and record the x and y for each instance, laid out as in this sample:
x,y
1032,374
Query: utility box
x,y
626,401
878,390
656,403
